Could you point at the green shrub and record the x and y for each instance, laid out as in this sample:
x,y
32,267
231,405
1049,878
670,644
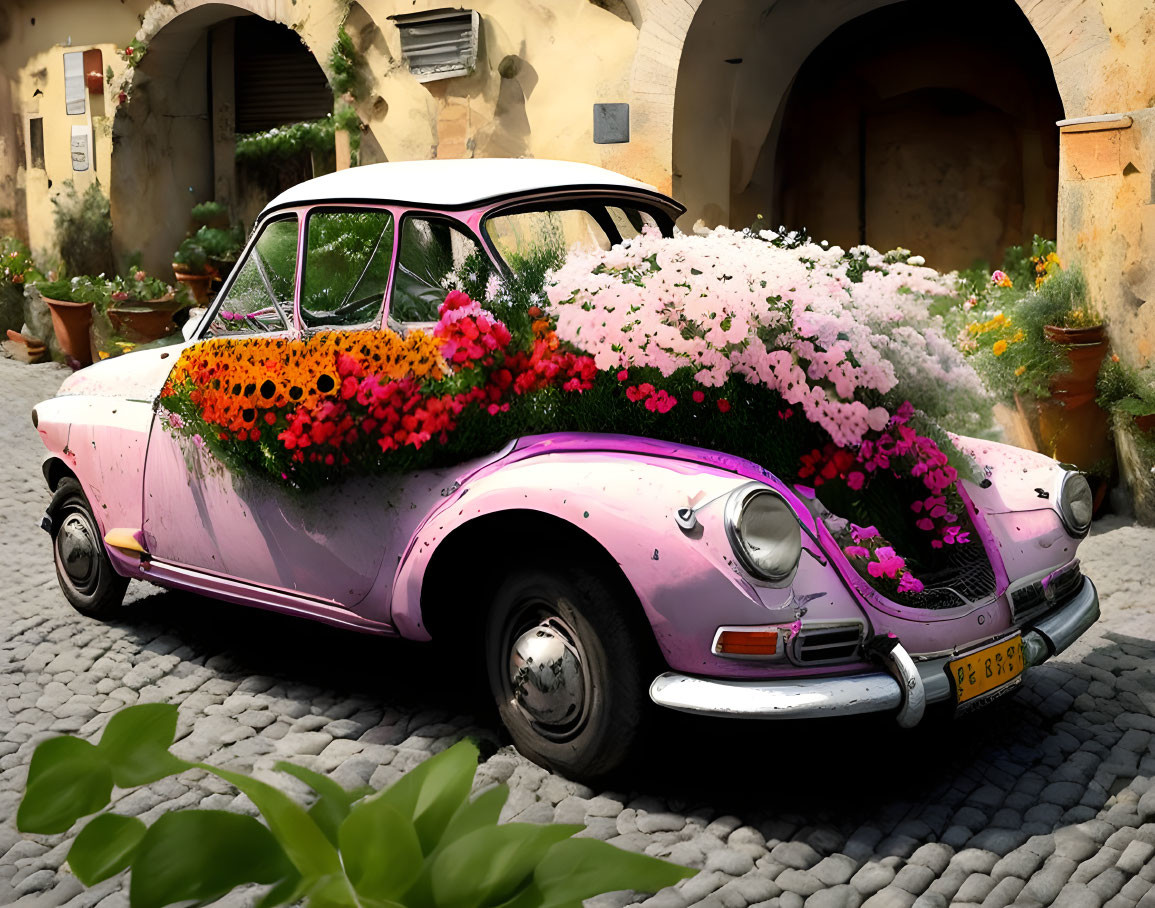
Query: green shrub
x,y
84,230
191,257
421,843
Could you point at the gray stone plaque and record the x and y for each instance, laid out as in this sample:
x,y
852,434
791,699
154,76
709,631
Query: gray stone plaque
x,y
611,124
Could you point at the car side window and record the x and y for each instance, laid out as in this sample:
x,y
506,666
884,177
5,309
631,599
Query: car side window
x,y
519,235
347,259
630,221
431,249
260,298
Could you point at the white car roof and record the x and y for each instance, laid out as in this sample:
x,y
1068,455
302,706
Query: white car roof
x,y
452,183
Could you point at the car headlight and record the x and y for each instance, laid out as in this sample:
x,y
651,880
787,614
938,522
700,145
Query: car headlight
x,y
763,532
1075,503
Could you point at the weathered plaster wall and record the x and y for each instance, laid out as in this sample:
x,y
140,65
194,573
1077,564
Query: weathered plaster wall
x,y
541,67
33,39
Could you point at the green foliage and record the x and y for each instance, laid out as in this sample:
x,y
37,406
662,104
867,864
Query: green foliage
x,y
16,264
281,143
345,64
191,257
205,214
1126,392
221,244
420,843
347,119
134,51
103,292
1009,349
83,289
84,230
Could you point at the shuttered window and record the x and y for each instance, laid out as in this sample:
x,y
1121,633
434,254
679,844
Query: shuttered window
x,y
439,43
278,80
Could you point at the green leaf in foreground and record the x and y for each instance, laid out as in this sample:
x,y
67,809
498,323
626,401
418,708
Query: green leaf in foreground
x,y
333,801
136,741
431,793
105,847
304,842
67,779
380,850
578,869
488,866
202,854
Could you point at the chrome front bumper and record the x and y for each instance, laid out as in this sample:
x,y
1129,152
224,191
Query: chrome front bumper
x,y
906,688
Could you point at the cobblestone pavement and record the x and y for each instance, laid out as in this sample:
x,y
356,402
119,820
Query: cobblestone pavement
x,y
1044,799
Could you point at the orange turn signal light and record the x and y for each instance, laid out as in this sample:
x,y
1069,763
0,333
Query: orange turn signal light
x,y
747,643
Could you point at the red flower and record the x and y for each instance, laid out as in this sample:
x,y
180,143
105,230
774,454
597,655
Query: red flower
x,y
698,397
724,405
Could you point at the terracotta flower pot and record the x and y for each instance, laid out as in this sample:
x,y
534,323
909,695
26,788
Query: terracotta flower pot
x,y
199,284
71,322
1072,427
144,321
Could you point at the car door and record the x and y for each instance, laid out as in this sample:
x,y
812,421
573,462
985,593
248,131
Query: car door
x,y
326,544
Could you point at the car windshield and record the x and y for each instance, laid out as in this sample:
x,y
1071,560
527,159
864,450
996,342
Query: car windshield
x,y
522,233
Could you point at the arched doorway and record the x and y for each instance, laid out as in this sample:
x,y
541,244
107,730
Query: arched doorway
x,y
913,123
209,73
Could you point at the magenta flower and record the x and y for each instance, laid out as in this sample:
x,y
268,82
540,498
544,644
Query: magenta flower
x,y
908,583
857,551
861,533
855,480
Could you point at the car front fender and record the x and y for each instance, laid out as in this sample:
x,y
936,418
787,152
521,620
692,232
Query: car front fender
x,y
688,582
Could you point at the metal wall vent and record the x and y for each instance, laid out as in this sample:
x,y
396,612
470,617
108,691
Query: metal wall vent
x,y
439,43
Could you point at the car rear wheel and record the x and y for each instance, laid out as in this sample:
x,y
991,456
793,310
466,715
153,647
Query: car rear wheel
x,y
565,670
83,569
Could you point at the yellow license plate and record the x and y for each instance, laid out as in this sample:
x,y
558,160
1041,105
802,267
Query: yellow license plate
x,y
982,671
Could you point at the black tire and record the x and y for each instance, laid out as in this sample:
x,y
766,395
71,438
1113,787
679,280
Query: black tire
x,y
83,570
573,612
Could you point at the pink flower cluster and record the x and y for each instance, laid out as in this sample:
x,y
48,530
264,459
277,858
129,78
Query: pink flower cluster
x,y
881,560
790,319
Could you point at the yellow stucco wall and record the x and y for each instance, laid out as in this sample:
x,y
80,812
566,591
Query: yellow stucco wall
x,y
560,57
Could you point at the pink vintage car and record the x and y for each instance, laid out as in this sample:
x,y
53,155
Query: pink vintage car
x,y
594,572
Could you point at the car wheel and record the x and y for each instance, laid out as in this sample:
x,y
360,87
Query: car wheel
x,y
83,569
565,670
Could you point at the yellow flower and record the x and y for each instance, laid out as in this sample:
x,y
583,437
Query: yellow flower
x,y
1019,337
1019,371
999,348
103,354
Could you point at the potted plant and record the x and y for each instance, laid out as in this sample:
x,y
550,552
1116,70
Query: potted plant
x,y
221,245
142,307
71,303
209,214
190,265
16,269
1043,349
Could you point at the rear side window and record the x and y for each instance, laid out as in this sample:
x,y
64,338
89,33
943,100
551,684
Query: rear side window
x,y
432,250
260,298
347,259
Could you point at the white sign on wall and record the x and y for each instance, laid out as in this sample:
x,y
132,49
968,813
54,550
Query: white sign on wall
x,y
81,147
74,92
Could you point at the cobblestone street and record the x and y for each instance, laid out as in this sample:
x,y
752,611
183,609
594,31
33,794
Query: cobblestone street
x,y
1045,798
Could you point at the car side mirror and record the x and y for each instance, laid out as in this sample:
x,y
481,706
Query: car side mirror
x,y
194,321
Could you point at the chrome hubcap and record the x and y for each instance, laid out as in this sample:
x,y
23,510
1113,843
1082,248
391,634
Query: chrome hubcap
x,y
77,546
546,674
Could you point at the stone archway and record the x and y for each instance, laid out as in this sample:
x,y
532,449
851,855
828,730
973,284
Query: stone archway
x,y
173,139
1069,31
920,127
